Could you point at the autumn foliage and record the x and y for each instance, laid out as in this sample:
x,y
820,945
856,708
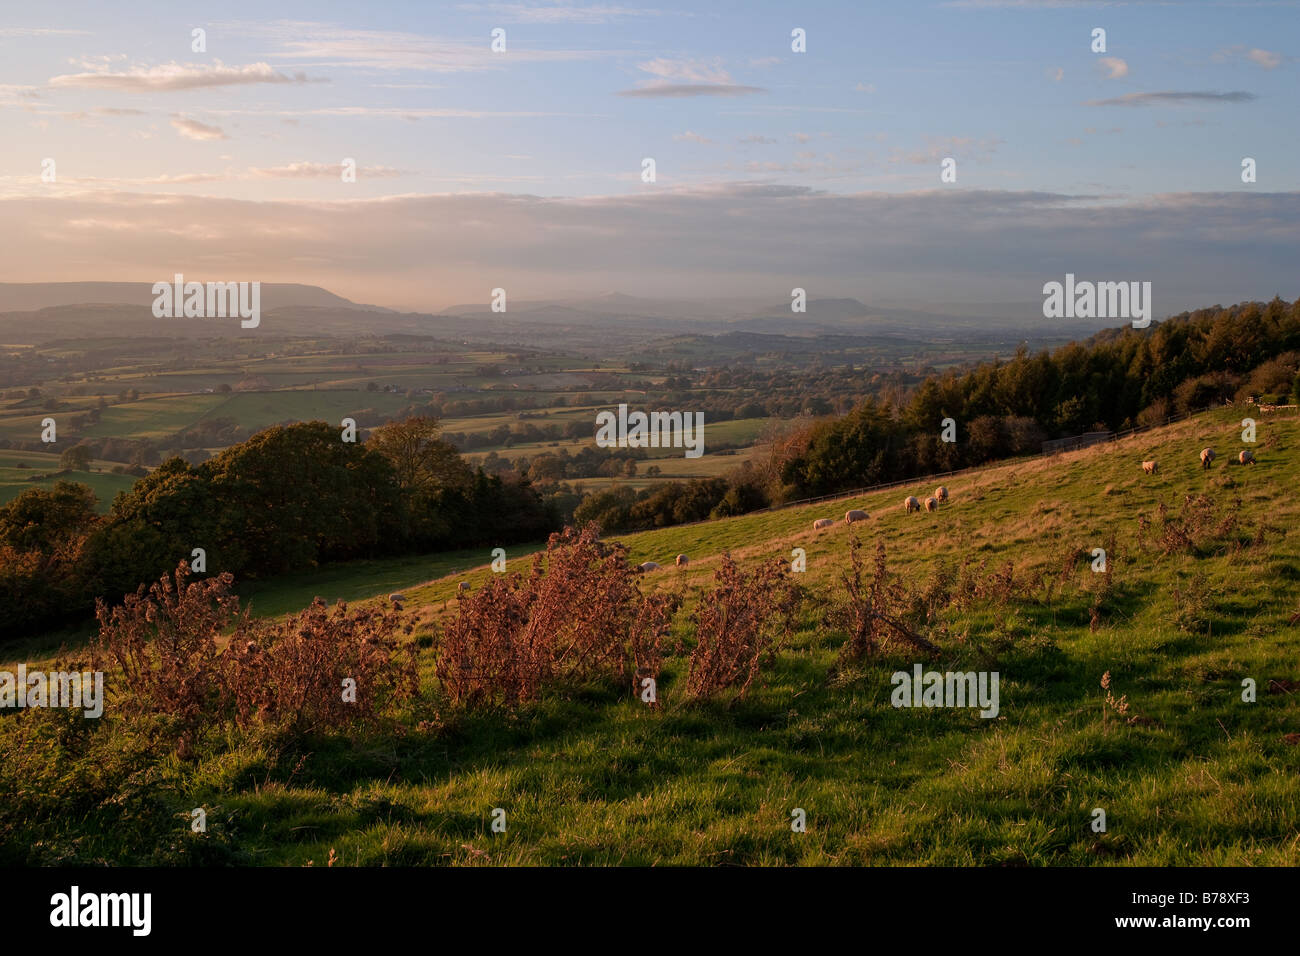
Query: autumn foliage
x,y
164,648
578,617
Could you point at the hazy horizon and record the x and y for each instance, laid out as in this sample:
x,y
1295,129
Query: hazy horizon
x,y
775,169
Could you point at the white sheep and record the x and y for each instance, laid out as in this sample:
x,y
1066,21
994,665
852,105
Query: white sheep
x,y
931,504
1150,467
397,598
823,523
648,566
681,560
853,515
1246,457
910,504
1207,458
941,493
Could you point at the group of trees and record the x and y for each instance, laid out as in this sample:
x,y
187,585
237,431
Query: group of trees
x,y
675,502
1118,379
289,498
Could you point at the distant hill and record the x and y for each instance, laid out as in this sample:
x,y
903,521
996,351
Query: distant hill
x,y
32,296
825,310
598,325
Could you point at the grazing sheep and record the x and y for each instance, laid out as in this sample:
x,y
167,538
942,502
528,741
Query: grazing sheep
x,y
1150,467
462,587
648,566
941,493
1207,458
931,504
823,523
397,598
682,560
910,504
854,515
1246,457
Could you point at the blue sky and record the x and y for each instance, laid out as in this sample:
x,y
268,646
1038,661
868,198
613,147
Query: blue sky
x,y
531,158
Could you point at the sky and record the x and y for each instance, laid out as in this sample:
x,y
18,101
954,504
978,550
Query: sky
x,y
522,168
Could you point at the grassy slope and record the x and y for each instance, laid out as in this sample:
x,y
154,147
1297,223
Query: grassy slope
x,y
1202,778
1205,779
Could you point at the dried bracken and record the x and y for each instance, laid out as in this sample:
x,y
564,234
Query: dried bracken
x,y
1202,525
163,640
743,619
873,611
317,670
1119,706
578,617
320,668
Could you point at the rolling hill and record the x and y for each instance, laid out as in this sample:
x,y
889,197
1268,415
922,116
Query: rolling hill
x,y
1190,774
1202,589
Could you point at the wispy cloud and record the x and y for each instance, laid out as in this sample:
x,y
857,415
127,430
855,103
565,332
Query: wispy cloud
x,y
18,93
1003,244
559,12
393,112
193,129
309,170
965,147
685,78
1155,99
1114,67
327,45
693,89
40,32
689,137
688,71
170,77
1264,58
1267,59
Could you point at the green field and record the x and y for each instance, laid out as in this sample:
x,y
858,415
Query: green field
x,y
1187,774
15,480
155,417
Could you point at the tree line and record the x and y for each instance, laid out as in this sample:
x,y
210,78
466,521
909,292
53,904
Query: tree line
x,y
1118,379
287,499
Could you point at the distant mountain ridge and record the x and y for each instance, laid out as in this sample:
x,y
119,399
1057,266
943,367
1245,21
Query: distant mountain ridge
x,y
33,296
44,311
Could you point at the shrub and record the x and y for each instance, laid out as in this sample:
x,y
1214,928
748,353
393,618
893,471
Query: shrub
x,y
744,618
1197,527
287,673
578,617
163,643
872,612
291,672
1193,603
